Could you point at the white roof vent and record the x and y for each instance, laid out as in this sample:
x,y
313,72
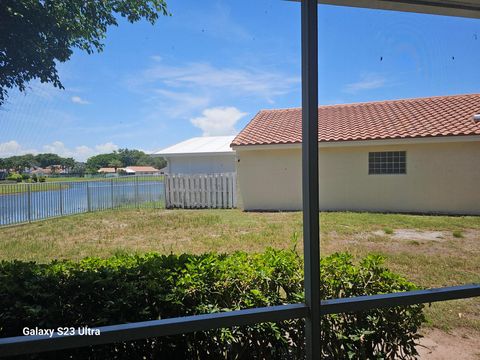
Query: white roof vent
x,y
476,117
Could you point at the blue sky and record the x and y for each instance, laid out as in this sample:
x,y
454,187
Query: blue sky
x,y
208,68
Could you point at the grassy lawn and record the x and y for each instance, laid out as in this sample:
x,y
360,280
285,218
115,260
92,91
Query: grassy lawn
x,y
69,179
431,251
55,183
23,187
123,178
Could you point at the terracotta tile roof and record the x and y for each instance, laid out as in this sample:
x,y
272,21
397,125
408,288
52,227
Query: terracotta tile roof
x,y
395,119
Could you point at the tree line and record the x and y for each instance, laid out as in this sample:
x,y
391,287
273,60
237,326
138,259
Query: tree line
x,y
20,163
123,158
116,159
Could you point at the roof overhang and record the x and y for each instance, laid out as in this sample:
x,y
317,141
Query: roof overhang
x,y
357,143
221,153
460,8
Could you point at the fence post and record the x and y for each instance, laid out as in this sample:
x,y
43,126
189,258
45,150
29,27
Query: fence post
x,y
234,189
60,194
89,205
29,202
209,191
166,186
136,191
111,192
186,180
164,190
224,191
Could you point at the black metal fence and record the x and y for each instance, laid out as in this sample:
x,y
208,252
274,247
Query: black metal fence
x,y
27,202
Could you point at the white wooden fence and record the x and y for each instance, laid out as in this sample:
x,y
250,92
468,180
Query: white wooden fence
x,y
200,191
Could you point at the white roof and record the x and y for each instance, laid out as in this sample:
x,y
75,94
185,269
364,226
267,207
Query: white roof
x,y
200,145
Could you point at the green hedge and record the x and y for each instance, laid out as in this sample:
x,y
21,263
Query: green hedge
x,y
97,292
15,177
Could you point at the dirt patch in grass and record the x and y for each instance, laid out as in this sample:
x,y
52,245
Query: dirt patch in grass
x,y
113,224
428,242
458,344
411,234
414,235
419,235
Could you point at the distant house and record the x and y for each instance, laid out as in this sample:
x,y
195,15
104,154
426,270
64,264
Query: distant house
x,y
49,170
141,170
131,170
58,169
413,155
200,155
41,171
107,170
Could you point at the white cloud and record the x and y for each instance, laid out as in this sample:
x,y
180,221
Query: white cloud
x,y
202,76
9,147
57,147
218,121
106,148
175,104
80,153
78,100
12,148
367,82
83,152
181,91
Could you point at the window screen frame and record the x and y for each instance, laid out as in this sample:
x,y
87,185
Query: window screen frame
x,y
387,162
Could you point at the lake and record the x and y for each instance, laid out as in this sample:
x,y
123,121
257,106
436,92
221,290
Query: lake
x,y
46,200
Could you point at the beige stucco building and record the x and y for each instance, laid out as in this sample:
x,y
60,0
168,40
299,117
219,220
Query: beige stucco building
x,y
424,174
